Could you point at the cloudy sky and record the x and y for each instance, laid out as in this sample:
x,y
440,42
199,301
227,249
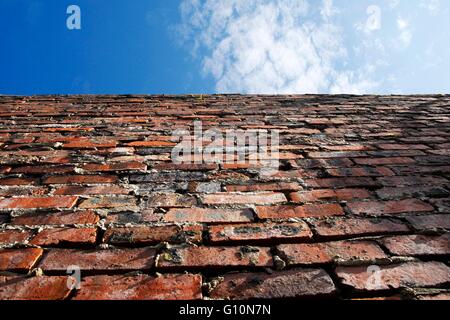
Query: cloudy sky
x,y
231,46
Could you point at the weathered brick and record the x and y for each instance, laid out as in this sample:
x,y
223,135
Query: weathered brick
x,y
18,260
324,163
329,195
260,232
9,237
111,260
238,198
305,211
411,192
141,287
297,283
153,235
21,191
413,274
403,146
347,228
384,161
57,218
65,236
322,253
167,200
35,288
204,187
96,190
18,181
90,143
187,167
80,179
360,172
279,186
418,245
151,144
44,169
38,203
341,183
119,166
133,217
208,215
389,207
411,181
214,258
430,221
124,203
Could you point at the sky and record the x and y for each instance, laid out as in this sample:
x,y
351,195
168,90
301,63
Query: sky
x,y
224,46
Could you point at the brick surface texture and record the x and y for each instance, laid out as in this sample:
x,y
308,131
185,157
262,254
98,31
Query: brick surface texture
x,y
359,207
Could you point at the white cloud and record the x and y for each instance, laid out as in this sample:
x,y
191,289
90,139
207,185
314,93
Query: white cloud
x,y
262,46
431,5
405,35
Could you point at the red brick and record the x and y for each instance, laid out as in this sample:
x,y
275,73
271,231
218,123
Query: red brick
x,y
403,147
347,228
329,195
430,221
418,245
78,179
141,287
305,211
389,207
65,236
208,215
58,218
323,253
35,288
384,161
408,192
186,167
5,169
17,181
125,203
260,232
167,200
239,198
413,274
341,183
153,235
297,283
151,144
99,260
18,260
21,191
411,181
9,237
279,186
37,169
90,143
361,172
214,258
120,166
96,190
336,154
38,203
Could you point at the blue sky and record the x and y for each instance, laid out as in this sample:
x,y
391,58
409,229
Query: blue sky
x,y
242,46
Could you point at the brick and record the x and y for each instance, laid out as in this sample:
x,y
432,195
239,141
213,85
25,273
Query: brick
x,y
65,236
111,260
430,222
418,245
389,207
153,235
260,233
297,283
208,215
361,172
384,161
9,237
214,258
133,217
167,200
97,190
341,183
305,211
187,167
38,169
324,163
125,203
57,218
38,203
411,192
18,181
80,179
18,260
279,186
336,154
407,275
90,143
325,253
238,198
151,144
120,166
21,191
35,288
403,146
141,287
411,181
348,227
329,195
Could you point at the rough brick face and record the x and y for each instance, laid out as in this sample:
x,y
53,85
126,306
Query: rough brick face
x,y
9,237
59,218
418,245
35,288
141,287
19,259
38,203
257,198
209,215
306,211
65,236
389,207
